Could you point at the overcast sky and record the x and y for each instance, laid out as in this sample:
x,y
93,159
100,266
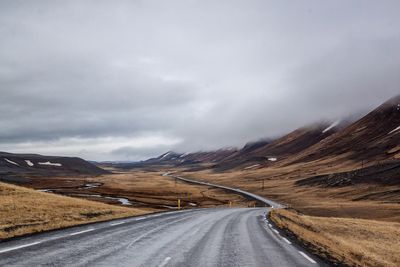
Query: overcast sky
x,y
127,80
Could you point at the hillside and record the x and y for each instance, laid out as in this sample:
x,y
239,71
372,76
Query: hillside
x,y
17,167
178,159
370,140
266,153
375,137
25,211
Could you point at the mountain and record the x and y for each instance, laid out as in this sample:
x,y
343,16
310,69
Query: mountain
x,y
14,166
375,137
267,152
178,159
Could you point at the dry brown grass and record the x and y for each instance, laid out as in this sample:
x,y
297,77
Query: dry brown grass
x,y
152,188
24,210
279,185
353,242
145,189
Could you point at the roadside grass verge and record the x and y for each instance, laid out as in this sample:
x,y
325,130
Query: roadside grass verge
x,y
26,211
343,241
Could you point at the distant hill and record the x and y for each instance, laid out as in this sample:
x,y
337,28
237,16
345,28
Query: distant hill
x,y
183,159
374,137
15,167
265,153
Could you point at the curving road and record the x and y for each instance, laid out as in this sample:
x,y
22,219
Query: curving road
x,y
261,199
201,237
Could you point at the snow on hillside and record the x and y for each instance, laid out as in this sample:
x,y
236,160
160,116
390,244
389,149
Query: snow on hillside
x,y
30,163
48,163
166,154
252,166
10,161
336,123
394,130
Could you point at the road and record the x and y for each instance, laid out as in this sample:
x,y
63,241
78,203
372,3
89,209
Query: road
x,y
261,199
200,237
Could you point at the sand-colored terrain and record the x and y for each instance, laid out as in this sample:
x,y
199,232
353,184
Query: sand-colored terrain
x,y
24,211
352,242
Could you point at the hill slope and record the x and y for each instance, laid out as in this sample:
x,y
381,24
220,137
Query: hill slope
x,y
14,167
375,137
25,211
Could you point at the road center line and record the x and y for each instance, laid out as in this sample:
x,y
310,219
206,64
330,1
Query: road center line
x,y
18,247
81,232
287,241
165,261
308,258
194,232
152,231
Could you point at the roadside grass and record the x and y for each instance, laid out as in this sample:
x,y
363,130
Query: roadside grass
x,y
24,211
352,242
154,189
354,201
145,189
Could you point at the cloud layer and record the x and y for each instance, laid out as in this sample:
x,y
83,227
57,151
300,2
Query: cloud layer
x,y
126,80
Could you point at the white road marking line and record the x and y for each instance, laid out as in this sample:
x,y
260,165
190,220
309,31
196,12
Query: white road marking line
x,y
165,261
18,247
152,231
270,225
81,232
194,232
308,258
275,231
142,218
287,241
116,223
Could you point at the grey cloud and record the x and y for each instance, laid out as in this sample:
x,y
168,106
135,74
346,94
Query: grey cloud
x,y
208,73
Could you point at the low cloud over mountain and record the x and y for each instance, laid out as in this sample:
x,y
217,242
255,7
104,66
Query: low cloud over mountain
x,y
132,79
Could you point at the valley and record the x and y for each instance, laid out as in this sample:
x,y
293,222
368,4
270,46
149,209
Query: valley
x,y
320,178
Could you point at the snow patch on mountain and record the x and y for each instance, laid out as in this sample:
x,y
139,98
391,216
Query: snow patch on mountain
x,y
30,163
48,163
394,130
336,123
10,161
252,166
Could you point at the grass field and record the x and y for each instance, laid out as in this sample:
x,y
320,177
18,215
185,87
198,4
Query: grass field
x,y
24,210
354,201
144,189
353,242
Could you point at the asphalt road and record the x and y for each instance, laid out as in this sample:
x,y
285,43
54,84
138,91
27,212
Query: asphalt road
x,y
201,237
261,199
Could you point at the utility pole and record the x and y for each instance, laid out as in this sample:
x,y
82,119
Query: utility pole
x,y
179,204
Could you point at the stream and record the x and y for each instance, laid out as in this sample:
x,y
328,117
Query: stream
x,y
121,200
